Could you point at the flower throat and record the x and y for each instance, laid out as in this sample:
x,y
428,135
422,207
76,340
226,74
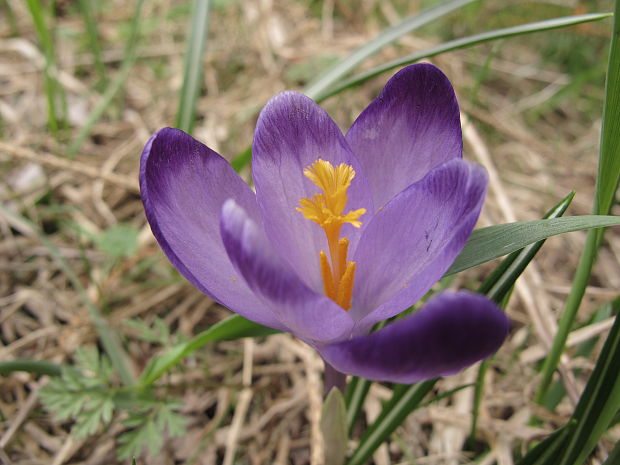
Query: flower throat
x,y
327,210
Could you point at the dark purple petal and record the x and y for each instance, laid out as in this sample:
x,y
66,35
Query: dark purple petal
x,y
293,132
412,127
305,313
410,243
451,332
183,185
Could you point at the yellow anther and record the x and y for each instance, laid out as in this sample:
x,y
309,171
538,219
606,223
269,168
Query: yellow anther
x,y
327,210
328,280
345,287
341,266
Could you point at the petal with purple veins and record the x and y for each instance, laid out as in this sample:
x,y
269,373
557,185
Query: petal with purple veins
x,y
293,132
305,313
451,332
410,128
183,185
409,244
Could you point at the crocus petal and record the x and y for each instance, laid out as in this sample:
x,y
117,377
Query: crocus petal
x,y
410,128
183,185
411,243
293,132
305,313
451,332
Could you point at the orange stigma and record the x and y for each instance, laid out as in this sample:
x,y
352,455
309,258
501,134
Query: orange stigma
x,y
327,210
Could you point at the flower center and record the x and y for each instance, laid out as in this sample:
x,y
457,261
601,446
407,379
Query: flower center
x,y
327,210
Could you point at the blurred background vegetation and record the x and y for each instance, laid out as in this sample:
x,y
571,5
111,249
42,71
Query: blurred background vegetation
x,y
84,83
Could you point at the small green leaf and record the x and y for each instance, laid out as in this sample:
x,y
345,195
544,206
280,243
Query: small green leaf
x,y
404,400
234,327
170,421
334,428
97,411
119,241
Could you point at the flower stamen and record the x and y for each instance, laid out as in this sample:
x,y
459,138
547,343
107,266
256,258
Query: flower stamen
x,y
327,210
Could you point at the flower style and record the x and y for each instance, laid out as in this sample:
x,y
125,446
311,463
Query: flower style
x,y
342,232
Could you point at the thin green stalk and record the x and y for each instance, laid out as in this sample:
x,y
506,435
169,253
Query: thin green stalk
x,y
548,446
329,88
404,400
357,390
318,86
386,37
598,404
461,43
10,16
614,456
233,327
498,285
53,90
192,74
38,367
114,86
109,338
90,24
606,185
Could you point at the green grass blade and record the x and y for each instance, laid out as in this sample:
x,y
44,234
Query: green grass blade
x,y
90,24
599,402
6,7
315,88
499,284
233,327
242,159
478,393
53,90
192,71
556,392
37,367
129,57
495,241
404,400
609,161
606,185
109,339
614,456
464,42
547,449
357,390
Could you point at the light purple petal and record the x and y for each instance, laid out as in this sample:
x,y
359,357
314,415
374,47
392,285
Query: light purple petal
x,y
451,332
183,185
411,243
305,313
412,127
293,132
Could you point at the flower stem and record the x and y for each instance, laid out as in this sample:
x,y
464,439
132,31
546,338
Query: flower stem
x,y
333,378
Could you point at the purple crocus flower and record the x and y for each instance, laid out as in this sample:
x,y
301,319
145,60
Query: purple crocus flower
x,y
342,232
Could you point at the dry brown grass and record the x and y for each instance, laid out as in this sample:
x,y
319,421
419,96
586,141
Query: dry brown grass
x,y
256,402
